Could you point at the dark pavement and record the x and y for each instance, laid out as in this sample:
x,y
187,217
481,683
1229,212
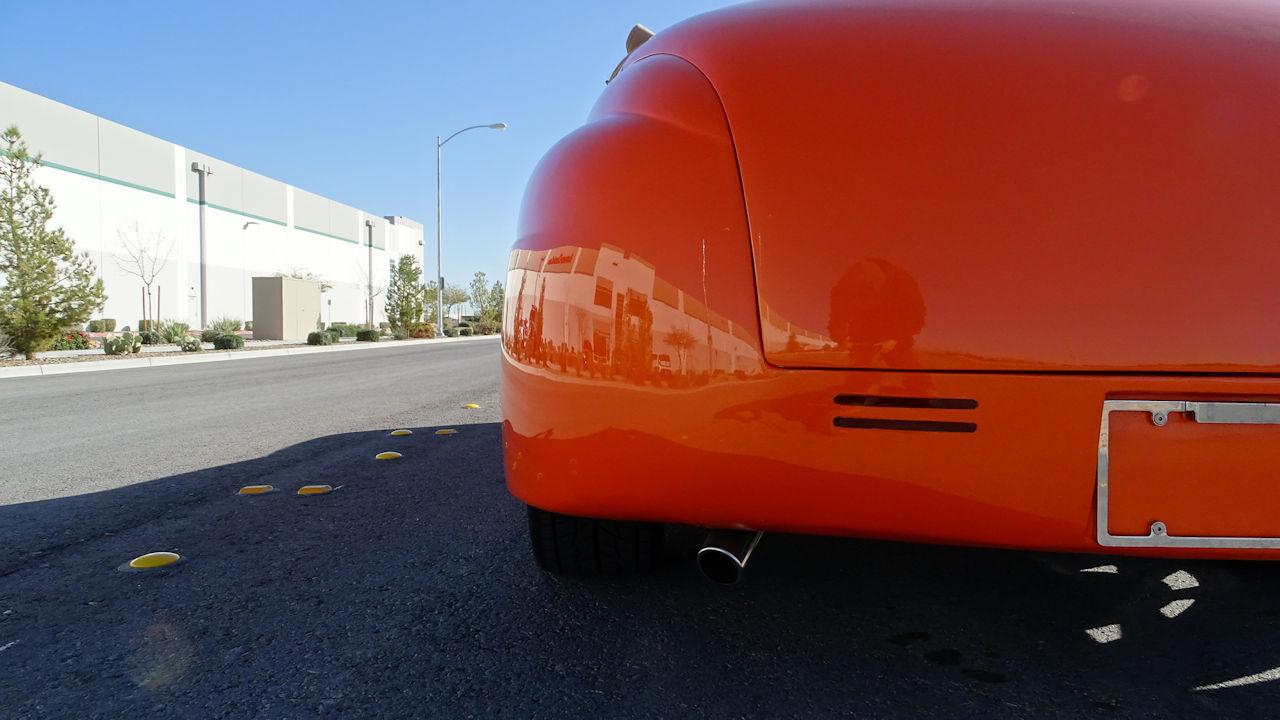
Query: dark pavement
x,y
410,592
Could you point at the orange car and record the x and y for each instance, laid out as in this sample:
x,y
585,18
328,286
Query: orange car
x,y
987,273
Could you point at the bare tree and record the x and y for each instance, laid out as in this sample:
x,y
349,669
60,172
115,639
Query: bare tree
x,y
368,291
145,254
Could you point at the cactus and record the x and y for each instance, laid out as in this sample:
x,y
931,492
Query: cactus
x,y
123,344
190,343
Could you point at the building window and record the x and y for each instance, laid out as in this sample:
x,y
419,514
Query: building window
x,y
604,293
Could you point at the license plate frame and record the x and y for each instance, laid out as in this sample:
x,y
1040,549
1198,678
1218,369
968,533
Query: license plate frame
x,y
1241,413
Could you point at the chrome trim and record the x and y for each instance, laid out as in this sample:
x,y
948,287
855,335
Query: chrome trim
x,y
1201,412
733,547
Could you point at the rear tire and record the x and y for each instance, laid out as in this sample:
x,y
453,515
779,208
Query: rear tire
x,y
569,545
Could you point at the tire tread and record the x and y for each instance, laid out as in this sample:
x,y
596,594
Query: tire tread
x,y
579,546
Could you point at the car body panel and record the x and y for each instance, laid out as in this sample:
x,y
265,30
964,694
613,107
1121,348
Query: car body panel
x,y
763,453
1006,186
992,303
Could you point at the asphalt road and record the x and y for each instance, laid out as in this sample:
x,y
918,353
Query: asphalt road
x,y
410,592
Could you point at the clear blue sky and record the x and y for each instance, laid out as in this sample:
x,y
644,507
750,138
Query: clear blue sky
x,y
345,99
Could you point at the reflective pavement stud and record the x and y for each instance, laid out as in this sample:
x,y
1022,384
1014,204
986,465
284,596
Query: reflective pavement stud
x,y
151,561
315,489
400,433
256,490
446,431
387,456
471,406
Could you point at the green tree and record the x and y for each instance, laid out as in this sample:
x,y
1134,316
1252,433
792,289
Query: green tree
x,y
48,287
453,297
404,294
497,299
486,300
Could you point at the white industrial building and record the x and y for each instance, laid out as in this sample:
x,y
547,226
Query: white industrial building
x,y
106,178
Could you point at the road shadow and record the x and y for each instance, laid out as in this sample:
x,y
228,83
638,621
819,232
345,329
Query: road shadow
x,y
411,592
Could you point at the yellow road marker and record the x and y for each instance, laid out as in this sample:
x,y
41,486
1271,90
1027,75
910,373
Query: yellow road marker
x,y
315,489
153,560
471,406
400,433
446,431
388,456
256,489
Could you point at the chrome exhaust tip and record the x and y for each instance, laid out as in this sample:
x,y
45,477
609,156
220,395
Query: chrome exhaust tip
x,y
724,555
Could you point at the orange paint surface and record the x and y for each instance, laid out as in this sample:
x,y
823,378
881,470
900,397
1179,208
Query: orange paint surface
x,y
1020,209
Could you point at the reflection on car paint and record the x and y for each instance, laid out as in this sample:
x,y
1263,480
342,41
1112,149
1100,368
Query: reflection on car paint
x,y
605,313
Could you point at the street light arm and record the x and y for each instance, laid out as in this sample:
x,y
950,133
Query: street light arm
x,y
439,221
494,126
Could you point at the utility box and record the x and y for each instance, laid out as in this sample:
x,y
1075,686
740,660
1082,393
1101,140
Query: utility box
x,y
285,308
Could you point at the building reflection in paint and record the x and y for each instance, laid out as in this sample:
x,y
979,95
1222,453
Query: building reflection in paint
x,y
603,313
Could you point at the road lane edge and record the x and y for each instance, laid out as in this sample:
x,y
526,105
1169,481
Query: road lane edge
x,y
215,356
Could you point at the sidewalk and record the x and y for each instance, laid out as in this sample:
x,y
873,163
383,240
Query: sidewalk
x,y
127,362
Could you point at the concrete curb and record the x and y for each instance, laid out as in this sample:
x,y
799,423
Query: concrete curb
x,y
219,356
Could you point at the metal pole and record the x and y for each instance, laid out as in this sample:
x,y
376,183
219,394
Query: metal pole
x,y
439,268
201,171
369,225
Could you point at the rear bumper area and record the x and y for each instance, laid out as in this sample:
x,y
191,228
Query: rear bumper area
x,y
973,459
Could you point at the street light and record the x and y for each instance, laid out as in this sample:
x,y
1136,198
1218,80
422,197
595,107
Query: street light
x,y
439,265
203,171
369,225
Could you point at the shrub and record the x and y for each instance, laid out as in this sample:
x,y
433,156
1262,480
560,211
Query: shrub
x,y
248,325
209,334
423,330
400,334
450,331
464,332
190,343
150,337
123,344
103,325
334,336
173,332
225,325
486,327
228,341
344,329
319,337
72,340
368,335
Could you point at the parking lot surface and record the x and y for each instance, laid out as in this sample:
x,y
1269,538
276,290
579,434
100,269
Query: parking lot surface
x,y
409,591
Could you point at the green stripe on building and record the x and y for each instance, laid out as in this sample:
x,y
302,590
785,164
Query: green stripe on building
x,y
238,212
325,234
97,176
